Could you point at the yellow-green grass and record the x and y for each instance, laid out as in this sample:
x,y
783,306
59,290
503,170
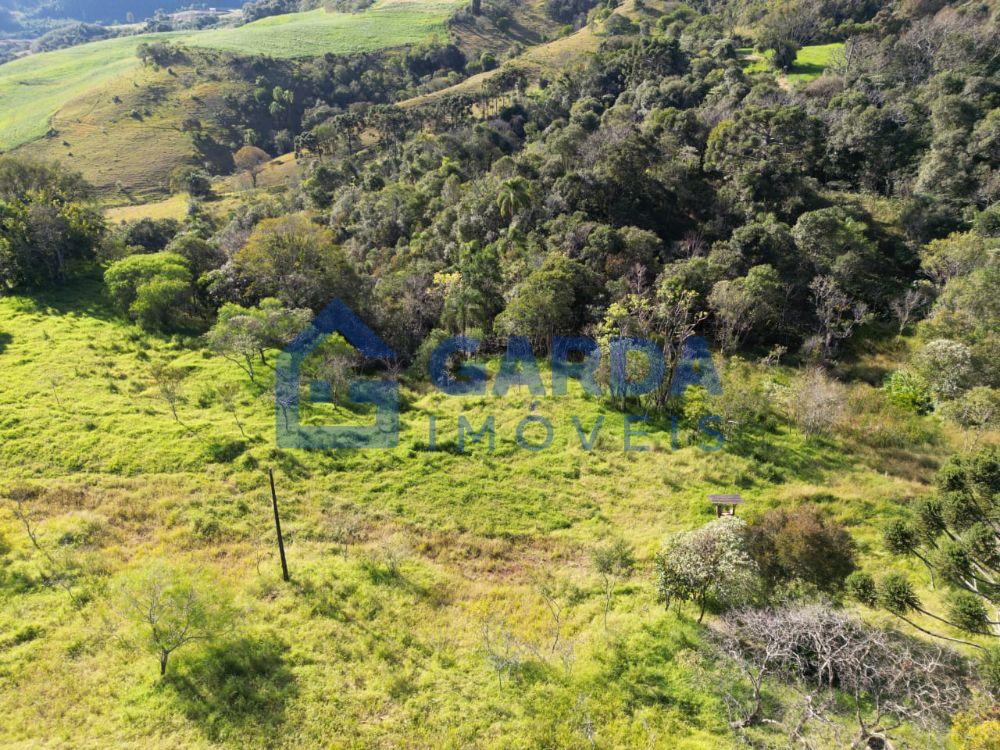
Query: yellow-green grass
x,y
34,88
352,653
387,23
127,136
811,62
174,207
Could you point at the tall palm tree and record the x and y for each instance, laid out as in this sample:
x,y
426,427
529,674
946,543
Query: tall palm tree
x,y
515,195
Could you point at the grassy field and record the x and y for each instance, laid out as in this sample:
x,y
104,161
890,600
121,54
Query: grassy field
x,y
127,136
387,23
401,559
810,62
549,58
35,88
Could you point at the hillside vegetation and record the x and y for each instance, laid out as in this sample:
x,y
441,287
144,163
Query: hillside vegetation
x,y
34,88
656,346
401,560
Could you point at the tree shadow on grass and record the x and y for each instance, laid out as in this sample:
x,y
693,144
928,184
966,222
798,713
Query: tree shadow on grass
x,y
83,295
808,462
236,689
807,69
5,339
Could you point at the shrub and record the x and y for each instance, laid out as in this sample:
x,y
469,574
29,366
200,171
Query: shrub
x,y
909,391
946,366
225,451
151,289
817,403
802,545
978,408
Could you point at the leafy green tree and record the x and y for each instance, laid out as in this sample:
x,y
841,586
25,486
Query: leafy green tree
x,y
297,261
763,241
837,245
744,305
47,223
152,289
761,152
201,255
192,180
551,301
946,366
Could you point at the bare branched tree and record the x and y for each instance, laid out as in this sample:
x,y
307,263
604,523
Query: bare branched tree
x,y
171,610
888,679
906,304
60,572
837,313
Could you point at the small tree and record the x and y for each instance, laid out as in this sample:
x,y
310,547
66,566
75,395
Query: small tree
x,y
907,303
227,393
243,334
837,313
250,160
171,608
710,566
613,563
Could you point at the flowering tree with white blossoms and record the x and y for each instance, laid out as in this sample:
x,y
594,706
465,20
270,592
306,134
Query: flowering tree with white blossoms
x,y
710,566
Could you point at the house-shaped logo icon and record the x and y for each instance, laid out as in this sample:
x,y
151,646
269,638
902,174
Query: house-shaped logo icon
x,y
384,394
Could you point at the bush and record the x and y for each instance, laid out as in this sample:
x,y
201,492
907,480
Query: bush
x,y
802,545
946,366
191,180
150,289
978,408
909,391
817,403
987,222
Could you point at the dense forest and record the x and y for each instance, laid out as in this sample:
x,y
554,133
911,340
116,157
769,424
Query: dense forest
x,y
833,235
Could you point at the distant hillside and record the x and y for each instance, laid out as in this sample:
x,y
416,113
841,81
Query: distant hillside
x,y
34,88
106,11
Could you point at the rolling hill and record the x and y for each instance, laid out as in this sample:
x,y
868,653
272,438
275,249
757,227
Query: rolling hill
x,y
33,89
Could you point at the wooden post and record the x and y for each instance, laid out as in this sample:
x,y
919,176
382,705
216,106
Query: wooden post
x,y
277,526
